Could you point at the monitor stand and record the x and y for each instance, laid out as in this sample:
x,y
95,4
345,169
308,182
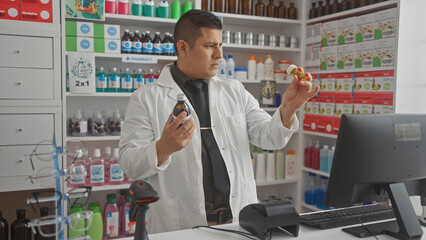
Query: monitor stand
x,y
405,227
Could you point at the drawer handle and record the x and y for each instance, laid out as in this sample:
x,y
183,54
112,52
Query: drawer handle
x,y
18,51
20,161
19,83
20,130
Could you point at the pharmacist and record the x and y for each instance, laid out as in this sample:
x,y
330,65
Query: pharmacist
x,y
202,169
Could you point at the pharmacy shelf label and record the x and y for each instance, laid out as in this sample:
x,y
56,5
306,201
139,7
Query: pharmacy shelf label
x,y
139,59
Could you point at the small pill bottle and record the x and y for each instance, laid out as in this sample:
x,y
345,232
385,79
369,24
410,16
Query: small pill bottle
x,y
294,70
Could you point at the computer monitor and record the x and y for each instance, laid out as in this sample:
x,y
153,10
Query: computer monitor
x,y
375,156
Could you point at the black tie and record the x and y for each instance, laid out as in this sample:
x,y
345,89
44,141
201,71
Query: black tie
x,y
220,176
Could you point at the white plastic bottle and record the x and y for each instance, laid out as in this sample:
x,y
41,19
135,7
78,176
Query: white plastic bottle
x,y
269,68
251,68
290,165
230,67
221,70
260,166
270,166
116,174
78,125
260,70
77,171
279,165
97,169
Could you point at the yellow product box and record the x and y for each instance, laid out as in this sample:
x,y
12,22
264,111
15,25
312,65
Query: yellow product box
x,y
347,28
329,33
385,52
312,108
329,58
363,106
327,85
383,106
365,25
384,85
315,81
385,26
343,106
363,85
346,56
364,54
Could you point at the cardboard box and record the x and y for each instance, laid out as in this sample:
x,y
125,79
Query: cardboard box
x,y
385,24
384,85
365,25
325,126
329,58
316,59
336,126
327,85
363,106
79,29
344,85
347,28
364,54
106,31
36,14
329,33
381,106
363,85
107,45
309,36
326,109
308,59
385,52
316,38
342,106
310,124
10,11
14,2
38,3
346,56
312,109
315,81
79,44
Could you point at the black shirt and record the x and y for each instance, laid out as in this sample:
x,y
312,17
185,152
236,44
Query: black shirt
x,y
213,198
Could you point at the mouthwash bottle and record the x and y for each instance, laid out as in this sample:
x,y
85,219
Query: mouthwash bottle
x,y
158,45
126,42
181,106
78,125
116,176
114,80
95,230
127,81
138,79
115,123
149,8
136,43
129,229
107,158
147,47
98,125
163,9
137,8
101,81
111,217
97,169
150,78
78,171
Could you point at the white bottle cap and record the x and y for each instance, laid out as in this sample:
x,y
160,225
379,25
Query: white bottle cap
x,y
290,68
333,148
181,97
115,154
97,152
108,151
325,146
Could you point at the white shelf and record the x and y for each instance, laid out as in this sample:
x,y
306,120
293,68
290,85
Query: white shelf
x,y
320,134
270,109
318,172
111,187
130,20
99,94
354,70
355,12
93,138
255,21
276,182
126,238
256,48
311,207
258,82
120,56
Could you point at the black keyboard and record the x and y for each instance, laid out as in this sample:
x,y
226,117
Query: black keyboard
x,y
347,216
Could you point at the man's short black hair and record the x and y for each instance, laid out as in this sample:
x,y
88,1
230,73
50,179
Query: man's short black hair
x,y
188,28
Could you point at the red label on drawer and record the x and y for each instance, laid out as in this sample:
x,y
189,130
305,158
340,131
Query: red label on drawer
x,y
9,11
36,14
40,3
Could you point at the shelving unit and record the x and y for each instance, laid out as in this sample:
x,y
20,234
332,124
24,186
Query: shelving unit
x,y
353,70
258,49
320,134
317,172
256,21
277,182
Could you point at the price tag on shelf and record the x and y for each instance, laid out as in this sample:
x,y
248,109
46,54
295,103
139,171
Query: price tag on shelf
x,y
139,59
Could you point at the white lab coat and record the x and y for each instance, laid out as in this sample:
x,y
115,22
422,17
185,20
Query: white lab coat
x,y
236,121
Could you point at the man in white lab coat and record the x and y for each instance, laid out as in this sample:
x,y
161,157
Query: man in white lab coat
x,y
202,169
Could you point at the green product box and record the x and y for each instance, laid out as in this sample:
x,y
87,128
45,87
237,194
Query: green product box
x,y
99,45
70,28
78,44
71,44
107,31
98,31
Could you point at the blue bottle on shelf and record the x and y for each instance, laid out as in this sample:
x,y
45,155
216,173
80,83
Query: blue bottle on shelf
x,y
324,158
321,191
311,191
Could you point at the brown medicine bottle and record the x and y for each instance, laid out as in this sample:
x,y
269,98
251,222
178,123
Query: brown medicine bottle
x,y
270,9
233,6
219,6
345,5
246,6
363,3
205,5
259,9
292,11
336,6
354,4
328,8
313,12
281,10
320,9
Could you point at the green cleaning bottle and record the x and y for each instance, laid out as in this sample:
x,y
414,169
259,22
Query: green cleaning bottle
x,y
176,9
78,207
95,230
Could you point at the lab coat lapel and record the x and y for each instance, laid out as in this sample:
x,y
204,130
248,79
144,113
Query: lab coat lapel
x,y
214,91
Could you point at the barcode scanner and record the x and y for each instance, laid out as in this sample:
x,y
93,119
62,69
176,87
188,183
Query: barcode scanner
x,y
142,194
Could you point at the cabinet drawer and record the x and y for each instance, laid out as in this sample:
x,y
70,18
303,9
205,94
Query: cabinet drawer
x,y
26,83
28,52
20,129
15,161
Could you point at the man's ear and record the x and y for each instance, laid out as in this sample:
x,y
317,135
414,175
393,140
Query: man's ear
x,y
182,47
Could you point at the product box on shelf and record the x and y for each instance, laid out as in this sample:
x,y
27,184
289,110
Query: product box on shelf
x,y
325,126
365,25
342,106
363,106
327,85
347,28
107,45
310,124
316,59
364,54
308,59
336,126
36,14
15,2
79,29
326,109
315,81
10,11
329,33
39,3
312,108
385,26
316,37
383,106
106,31
363,85
384,85
329,58
385,52
346,56
344,85
309,36
79,44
